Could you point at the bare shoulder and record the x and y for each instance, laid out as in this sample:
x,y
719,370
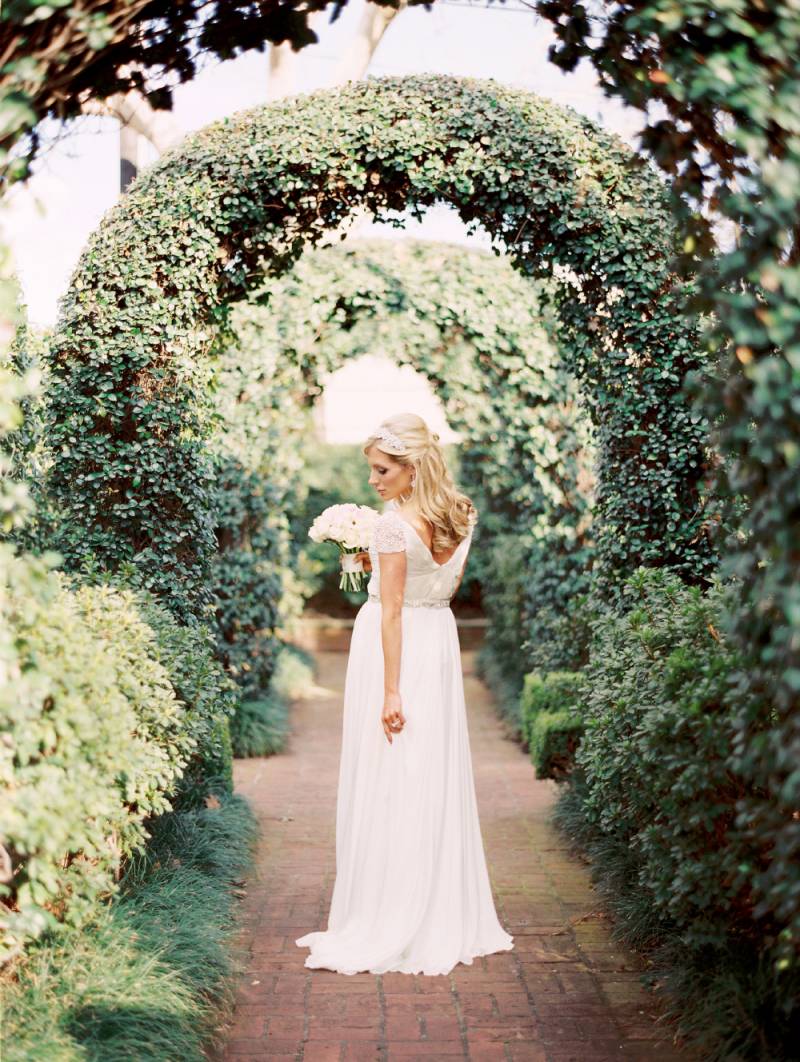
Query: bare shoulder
x,y
411,516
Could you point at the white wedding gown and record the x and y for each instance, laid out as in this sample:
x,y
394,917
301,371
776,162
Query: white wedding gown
x,y
412,890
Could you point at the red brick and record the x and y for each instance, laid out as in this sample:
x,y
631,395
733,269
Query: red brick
x,y
442,1028
406,1027
318,1052
487,1053
361,1051
431,1049
239,1047
285,1028
510,1029
338,1033
248,1026
527,1052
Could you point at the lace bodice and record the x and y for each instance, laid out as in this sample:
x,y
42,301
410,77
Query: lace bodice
x,y
427,581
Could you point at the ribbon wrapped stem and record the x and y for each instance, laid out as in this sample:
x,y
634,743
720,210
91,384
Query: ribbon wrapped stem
x,y
353,574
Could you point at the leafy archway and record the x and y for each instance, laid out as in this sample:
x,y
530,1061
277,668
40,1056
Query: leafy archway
x,y
468,322
566,200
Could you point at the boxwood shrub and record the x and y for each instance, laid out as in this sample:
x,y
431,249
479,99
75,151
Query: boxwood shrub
x,y
553,739
552,720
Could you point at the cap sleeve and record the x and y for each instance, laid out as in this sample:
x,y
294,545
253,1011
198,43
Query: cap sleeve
x,y
390,536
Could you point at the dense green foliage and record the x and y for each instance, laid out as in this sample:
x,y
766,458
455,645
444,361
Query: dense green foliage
x,y
110,712
25,444
500,662
725,74
151,977
256,590
551,692
130,410
188,655
259,428
729,76
260,726
551,720
552,742
21,379
81,784
539,608
666,802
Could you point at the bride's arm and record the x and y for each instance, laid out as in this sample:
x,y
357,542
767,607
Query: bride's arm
x,y
392,588
464,565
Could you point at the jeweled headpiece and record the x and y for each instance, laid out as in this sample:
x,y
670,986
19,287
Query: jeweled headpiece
x,y
391,443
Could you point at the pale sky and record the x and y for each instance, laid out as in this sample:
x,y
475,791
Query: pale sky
x,y
48,222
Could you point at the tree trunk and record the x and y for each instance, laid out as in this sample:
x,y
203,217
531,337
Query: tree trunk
x,y
375,21
283,62
128,156
137,119
282,78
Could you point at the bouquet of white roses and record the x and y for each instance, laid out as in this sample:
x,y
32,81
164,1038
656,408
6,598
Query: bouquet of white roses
x,y
350,527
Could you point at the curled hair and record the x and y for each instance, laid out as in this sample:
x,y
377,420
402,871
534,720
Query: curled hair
x,y
449,511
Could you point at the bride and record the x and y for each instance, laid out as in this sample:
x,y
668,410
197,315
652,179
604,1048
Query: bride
x,y
412,890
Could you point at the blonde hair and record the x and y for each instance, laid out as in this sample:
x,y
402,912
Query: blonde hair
x,y
447,509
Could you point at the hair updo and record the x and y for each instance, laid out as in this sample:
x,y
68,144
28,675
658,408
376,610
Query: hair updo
x,y
449,511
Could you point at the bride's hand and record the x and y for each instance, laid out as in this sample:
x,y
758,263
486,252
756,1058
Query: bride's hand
x,y
363,556
392,718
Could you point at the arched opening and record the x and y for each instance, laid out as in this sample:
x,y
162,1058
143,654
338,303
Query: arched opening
x,y
471,325
567,202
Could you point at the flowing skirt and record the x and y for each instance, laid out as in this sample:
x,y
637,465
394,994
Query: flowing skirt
x,y
412,891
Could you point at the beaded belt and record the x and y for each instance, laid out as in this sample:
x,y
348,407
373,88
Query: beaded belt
x,y
420,602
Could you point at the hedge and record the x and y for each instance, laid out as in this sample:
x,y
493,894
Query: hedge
x,y
104,712
551,720
551,692
667,803
552,742
727,81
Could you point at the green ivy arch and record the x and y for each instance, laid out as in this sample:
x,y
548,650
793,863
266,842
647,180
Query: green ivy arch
x,y
471,324
465,319
566,200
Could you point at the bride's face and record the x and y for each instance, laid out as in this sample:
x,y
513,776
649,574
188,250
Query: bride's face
x,y
387,476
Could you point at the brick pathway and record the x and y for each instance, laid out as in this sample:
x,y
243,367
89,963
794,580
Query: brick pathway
x,y
565,992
